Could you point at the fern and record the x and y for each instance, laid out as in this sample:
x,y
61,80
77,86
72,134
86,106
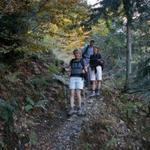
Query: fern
x,y
6,111
30,104
130,108
33,138
40,81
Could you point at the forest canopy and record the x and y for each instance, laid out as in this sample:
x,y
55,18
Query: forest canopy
x,y
28,23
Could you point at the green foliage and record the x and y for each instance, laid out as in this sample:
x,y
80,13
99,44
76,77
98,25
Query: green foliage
x,y
6,111
144,69
2,145
33,138
114,43
3,67
12,25
146,132
30,104
111,143
53,69
87,146
40,81
130,108
25,24
13,77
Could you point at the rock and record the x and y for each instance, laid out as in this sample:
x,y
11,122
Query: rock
x,y
60,79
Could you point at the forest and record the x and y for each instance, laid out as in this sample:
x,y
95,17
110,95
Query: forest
x,y
37,38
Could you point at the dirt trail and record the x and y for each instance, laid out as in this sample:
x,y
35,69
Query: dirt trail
x,y
65,138
66,134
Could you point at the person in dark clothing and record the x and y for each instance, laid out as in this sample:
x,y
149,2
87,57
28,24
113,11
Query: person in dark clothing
x,y
96,67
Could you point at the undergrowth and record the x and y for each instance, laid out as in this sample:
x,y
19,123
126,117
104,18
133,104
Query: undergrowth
x,y
102,133
27,93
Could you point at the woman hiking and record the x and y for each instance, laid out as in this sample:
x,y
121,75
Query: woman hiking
x,y
96,67
77,68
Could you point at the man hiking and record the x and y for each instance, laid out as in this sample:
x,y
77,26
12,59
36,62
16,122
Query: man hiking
x,y
87,51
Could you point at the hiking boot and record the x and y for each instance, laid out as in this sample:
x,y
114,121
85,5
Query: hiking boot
x,y
82,104
71,111
81,112
97,94
92,94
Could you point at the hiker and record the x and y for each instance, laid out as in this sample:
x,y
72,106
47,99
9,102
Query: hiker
x,y
87,51
77,68
96,67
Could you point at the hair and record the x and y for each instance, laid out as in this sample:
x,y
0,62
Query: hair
x,y
98,48
92,41
75,50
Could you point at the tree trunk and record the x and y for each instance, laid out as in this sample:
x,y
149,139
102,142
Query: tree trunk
x,y
128,57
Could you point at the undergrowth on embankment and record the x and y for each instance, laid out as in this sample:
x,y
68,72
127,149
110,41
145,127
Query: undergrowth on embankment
x,y
28,95
122,124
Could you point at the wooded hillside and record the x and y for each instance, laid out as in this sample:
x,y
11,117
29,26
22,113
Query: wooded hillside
x,y
31,99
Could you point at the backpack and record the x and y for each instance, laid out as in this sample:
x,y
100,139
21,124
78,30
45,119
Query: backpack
x,y
78,69
81,62
85,51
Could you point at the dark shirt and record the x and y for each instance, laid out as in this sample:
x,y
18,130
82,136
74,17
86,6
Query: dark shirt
x,y
77,66
95,60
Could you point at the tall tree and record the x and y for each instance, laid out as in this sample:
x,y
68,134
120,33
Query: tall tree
x,y
24,24
127,10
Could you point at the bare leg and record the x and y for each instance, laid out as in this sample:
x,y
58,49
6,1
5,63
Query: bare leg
x,y
99,83
72,94
98,86
93,85
79,97
80,110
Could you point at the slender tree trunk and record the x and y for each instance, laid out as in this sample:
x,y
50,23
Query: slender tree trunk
x,y
128,57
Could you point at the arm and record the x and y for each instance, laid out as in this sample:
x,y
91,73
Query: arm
x,y
83,49
101,61
67,67
84,66
85,70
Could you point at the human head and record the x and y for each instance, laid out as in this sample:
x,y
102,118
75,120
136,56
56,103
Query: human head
x,y
96,49
77,53
92,43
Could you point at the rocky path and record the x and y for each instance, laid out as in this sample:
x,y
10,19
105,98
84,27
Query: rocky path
x,y
65,138
66,134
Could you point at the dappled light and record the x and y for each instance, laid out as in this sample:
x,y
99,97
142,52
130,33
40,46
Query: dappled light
x,y
74,75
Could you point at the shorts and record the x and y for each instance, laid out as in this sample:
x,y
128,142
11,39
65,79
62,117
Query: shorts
x,y
76,83
96,76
